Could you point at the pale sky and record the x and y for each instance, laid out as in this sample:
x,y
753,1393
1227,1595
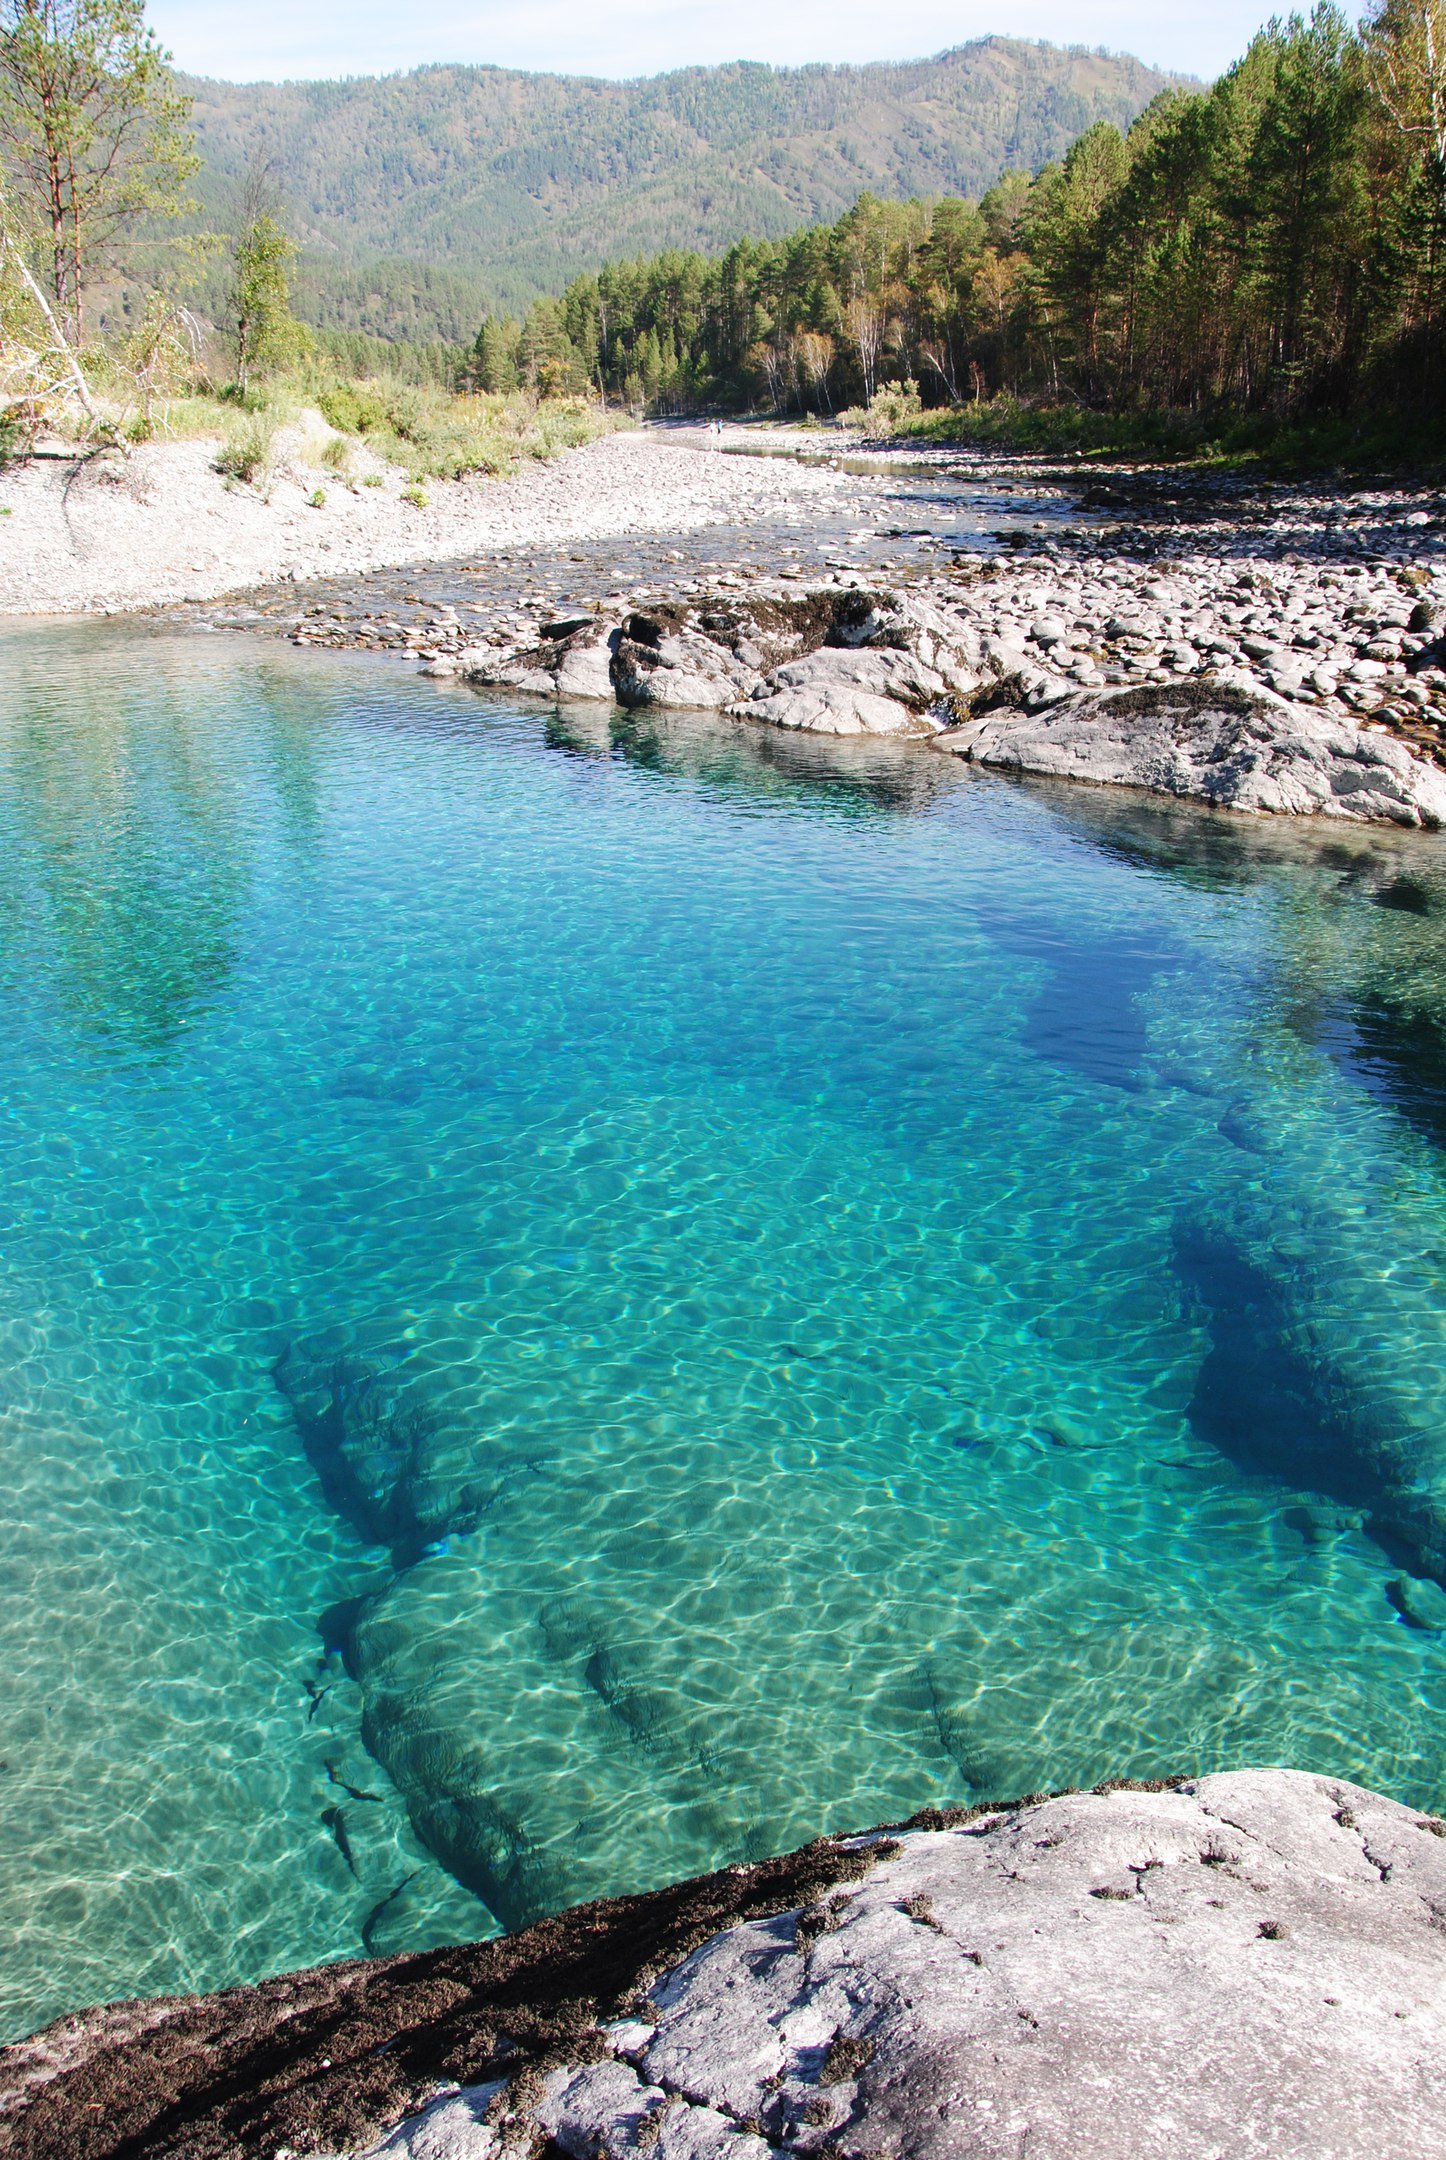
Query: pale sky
x,y
270,39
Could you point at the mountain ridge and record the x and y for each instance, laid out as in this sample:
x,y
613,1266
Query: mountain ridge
x,y
512,182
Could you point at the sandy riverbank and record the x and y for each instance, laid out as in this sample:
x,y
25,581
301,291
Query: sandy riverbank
x,y
109,534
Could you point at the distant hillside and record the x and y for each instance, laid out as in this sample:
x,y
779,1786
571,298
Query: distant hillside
x,y
510,184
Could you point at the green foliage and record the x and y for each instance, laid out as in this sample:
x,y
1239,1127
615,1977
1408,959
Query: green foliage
x,y
1275,245
437,193
443,435
246,455
93,134
353,353
268,335
355,408
400,302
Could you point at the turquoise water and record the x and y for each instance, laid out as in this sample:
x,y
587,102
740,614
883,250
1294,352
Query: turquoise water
x,y
584,1299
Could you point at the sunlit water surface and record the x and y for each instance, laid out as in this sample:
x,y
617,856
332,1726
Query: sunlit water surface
x,y
583,1299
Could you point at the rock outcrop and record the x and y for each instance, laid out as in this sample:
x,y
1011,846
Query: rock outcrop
x,y
1235,748
1253,1963
1248,1963
844,661
835,662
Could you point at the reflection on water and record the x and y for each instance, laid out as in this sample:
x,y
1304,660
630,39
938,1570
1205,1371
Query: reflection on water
x,y
586,1295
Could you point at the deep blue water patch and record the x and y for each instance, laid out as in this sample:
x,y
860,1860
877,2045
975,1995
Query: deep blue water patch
x,y
583,1297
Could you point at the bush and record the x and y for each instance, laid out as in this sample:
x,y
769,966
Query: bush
x,y
892,410
245,455
441,435
355,408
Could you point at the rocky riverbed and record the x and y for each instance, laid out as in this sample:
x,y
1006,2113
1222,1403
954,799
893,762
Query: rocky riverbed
x,y
1238,1964
1296,632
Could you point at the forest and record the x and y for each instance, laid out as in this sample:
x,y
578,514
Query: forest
x,y
1273,244
513,183
1270,246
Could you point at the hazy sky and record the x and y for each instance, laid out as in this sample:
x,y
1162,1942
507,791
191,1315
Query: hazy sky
x,y
267,39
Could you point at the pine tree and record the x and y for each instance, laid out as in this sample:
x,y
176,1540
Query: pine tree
x,y
95,133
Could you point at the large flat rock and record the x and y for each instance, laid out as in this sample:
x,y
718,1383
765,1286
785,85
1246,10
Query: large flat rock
x,y
1254,1963
1235,748
1249,1966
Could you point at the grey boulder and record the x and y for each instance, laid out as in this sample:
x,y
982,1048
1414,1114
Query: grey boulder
x,y
1238,749
837,691
833,662
683,668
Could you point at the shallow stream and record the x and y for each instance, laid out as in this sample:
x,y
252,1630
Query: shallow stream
x,y
585,1297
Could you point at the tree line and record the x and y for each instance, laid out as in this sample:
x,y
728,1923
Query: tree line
x,y
1275,243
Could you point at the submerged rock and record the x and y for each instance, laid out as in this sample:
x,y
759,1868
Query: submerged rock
x,y
1235,748
1243,1963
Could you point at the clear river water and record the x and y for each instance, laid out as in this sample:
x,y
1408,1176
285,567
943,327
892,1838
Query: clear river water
x,y
583,1298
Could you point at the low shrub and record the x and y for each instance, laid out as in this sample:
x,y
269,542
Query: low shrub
x,y
441,435
893,410
1256,441
355,408
246,455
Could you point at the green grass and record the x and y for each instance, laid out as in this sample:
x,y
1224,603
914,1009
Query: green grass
x,y
1256,442
439,435
430,431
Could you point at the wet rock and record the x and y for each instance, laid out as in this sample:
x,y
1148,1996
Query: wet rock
x,y
1235,748
585,662
685,668
830,662
1420,1603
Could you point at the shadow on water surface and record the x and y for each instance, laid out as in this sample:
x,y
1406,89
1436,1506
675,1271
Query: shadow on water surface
x,y
1396,1051
1361,906
1088,1017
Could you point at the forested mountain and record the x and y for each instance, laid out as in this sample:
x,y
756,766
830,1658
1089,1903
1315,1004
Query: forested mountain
x,y
515,183
1274,245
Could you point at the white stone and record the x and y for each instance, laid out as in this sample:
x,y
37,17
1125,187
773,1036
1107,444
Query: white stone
x,y
835,691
